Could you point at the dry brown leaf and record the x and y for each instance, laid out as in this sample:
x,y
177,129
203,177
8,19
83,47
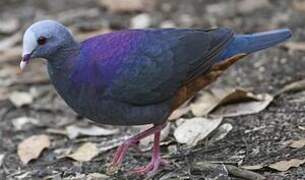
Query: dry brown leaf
x,y
74,131
293,87
19,98
285,165
191,131
244,108
208,100
294,46
297,144
128,5
32,147
229,102
85,152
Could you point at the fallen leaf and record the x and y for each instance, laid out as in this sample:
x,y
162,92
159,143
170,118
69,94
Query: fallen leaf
x,y
127,5
293,87
285,165
32,147
297,144
244,108
206,101
85,152
97,176
74,131
19,98
227,102
20,122
294,46
191,131
221,132
253,167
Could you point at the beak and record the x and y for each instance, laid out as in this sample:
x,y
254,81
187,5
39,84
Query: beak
x,y
25,60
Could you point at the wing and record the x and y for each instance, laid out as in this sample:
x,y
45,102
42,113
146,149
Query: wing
x,y
151,65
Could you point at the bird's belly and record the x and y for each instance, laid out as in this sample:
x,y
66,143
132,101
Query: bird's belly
x,y
106,110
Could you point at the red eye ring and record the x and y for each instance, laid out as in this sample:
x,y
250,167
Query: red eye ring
x,y
41,40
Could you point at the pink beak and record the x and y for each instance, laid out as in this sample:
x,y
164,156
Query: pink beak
x,y
25,60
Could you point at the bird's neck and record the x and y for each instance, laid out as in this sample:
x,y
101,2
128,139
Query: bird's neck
x,y
63,59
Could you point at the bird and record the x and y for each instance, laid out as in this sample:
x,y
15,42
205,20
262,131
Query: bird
x,y
137,76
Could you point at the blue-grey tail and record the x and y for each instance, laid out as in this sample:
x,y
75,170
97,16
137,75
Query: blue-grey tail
x,y
255,42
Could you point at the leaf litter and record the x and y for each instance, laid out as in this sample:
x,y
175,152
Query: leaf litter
x,y
19,98
193,130
74,131
20,122
287,164
31,148
85,152
228,102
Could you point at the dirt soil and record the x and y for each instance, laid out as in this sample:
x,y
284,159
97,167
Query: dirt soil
x,y
255,139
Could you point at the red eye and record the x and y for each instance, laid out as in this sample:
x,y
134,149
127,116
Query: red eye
x,y
41,40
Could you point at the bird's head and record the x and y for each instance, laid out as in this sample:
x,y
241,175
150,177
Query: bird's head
x,y
43,39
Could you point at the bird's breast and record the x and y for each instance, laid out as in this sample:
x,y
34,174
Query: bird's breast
x,y
93,102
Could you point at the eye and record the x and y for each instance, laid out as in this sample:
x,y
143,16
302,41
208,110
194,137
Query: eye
x,y
41,40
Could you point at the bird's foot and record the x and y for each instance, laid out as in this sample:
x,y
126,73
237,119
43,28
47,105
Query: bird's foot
x,y
119,156
133,141
151,168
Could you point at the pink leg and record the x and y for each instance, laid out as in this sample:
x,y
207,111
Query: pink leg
x,y
122,150
152,167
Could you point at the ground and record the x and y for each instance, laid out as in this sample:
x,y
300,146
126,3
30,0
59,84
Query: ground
x,y
255,139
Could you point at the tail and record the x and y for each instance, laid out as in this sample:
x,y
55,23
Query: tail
x,y
251,43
